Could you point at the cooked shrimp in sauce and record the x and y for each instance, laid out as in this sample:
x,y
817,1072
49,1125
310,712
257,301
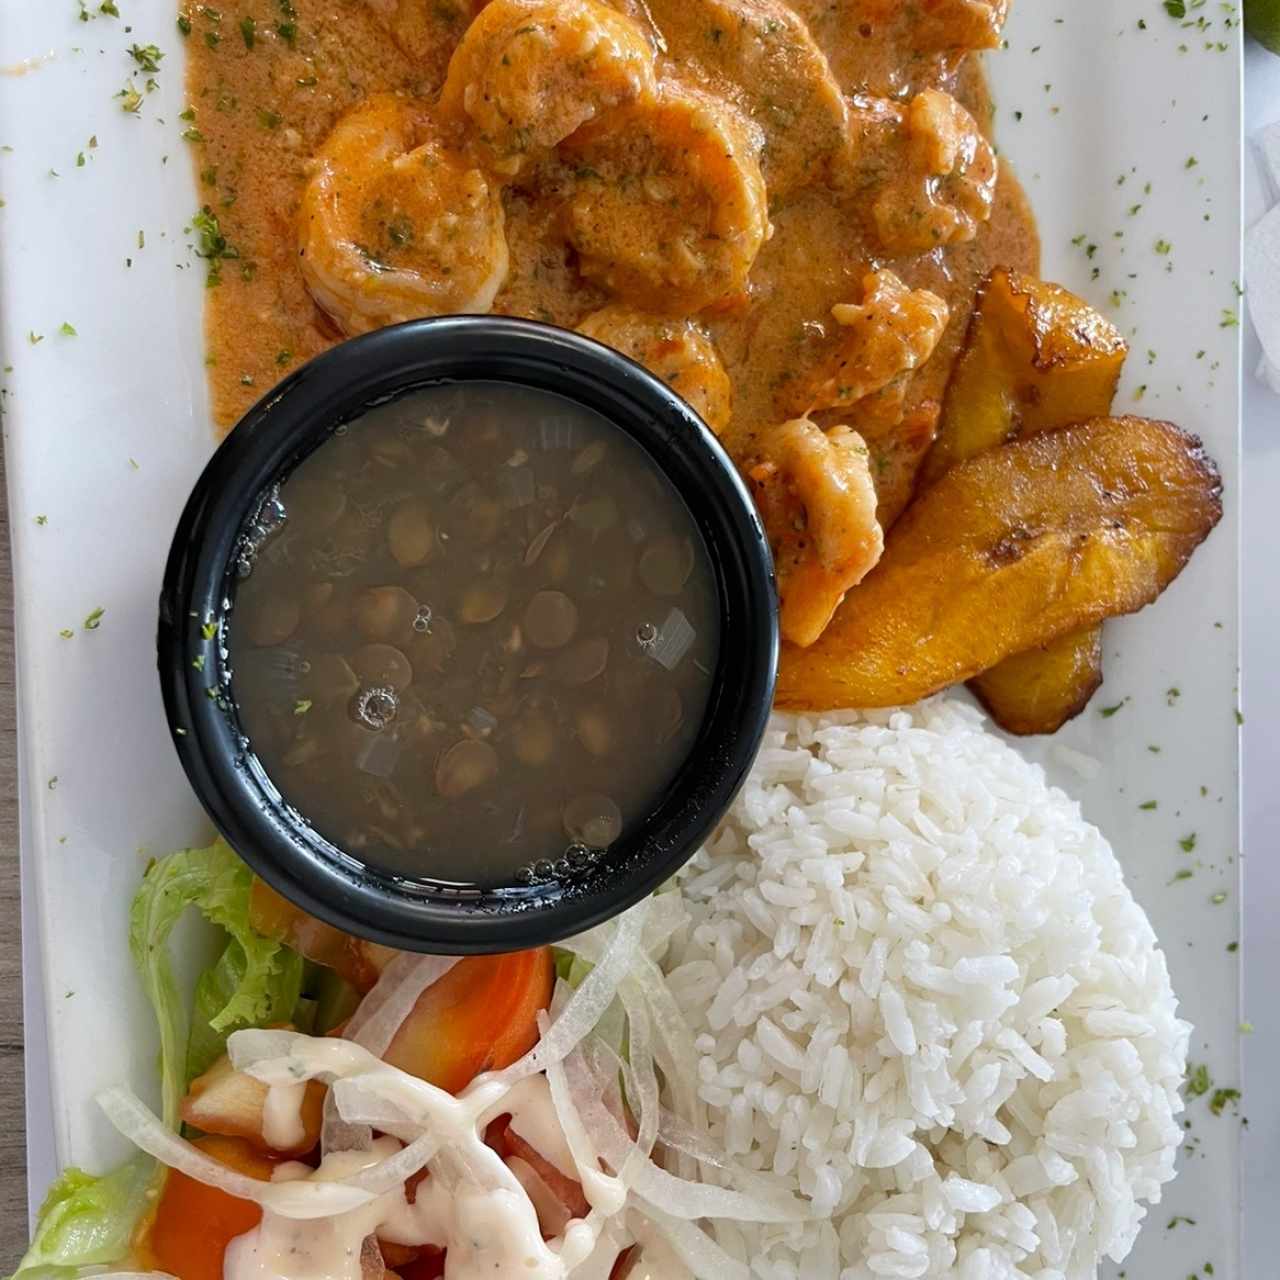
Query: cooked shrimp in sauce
x,y
395,224
880,342
818,501
944,187
669,207
678,351
527,74
782,208
760,55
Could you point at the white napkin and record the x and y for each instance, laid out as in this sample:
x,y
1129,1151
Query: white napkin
x,y
1262,259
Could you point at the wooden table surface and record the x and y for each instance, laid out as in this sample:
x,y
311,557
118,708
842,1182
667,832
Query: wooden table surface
x,y
13,1189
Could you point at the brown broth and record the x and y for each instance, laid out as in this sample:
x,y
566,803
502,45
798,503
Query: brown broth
x,y
478,641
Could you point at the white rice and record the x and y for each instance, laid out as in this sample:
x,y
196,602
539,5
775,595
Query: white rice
x,y
922,993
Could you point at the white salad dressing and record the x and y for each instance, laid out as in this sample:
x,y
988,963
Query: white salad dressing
x,y
472,1205
534,1118
282,1124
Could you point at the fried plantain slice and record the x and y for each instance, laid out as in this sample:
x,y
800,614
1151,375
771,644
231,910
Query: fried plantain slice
x,y
1009,551
1035,358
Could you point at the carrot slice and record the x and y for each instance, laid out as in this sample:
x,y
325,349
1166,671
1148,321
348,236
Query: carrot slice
x,y
481,1016
194,1223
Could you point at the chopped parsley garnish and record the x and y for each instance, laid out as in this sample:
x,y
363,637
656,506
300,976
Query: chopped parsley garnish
x,y
288,32
269,119
211,244
283,357
66,633
42,519
1198,1080
109,8
302,706
1180,1217
1220,1099
1148,805
130,98
248,32
147,56
94,620
1163,247
1187,843
184,24
198,662
67,330
1230,319
1107,712
1175,8
208,629
1185,874
1218,898
33,337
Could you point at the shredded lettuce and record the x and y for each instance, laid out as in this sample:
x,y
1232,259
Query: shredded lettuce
x,y
255,981
86,1221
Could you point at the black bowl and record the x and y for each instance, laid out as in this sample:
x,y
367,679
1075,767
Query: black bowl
x,y
199,593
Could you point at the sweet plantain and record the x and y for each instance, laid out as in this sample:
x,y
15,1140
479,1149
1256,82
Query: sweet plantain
x,y
1009,551
1036,358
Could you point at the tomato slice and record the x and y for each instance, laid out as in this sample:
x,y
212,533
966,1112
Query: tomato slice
x,y
194,1223
481,1016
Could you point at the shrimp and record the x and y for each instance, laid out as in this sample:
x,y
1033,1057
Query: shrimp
x,y
818,503
763,57
527,73
668,209
958,26
394,225
678,351
945,183
883,339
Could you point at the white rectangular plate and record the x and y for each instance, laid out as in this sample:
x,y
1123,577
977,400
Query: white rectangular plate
x,y
1124,126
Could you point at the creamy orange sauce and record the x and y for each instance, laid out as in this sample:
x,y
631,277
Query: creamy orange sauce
x,y
264,111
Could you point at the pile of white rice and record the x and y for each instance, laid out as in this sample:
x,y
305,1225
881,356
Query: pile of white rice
x,y
923,994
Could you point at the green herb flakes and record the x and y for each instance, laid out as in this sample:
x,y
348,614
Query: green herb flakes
x,y
147,56
1220,1099
94,620
248,32
1198,1080
302,706
67,330
1187,843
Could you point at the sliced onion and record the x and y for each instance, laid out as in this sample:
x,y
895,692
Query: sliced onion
x,y
585,1007
677,1197
674,1051
247,1047
358,1104
665,914
697,1250
391,999
643,1086
301,1200
605,1193
128,1275
390,1173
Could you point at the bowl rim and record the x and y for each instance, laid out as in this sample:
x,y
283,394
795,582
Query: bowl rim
x,y
197,600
